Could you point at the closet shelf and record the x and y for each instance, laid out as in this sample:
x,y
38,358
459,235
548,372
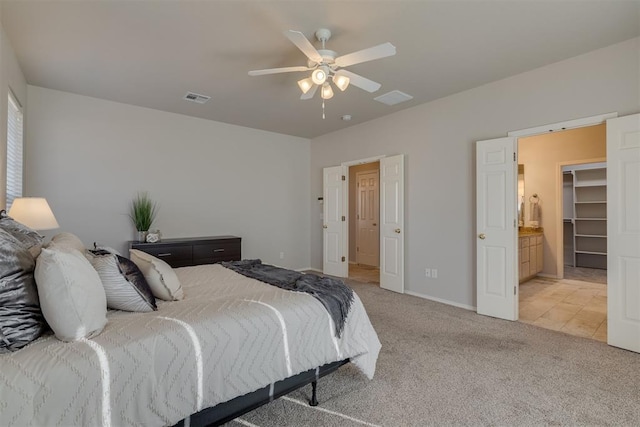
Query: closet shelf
x,y
588,197
604,184
591,252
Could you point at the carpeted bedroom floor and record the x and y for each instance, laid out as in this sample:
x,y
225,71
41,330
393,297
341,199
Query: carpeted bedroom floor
x,y
442,365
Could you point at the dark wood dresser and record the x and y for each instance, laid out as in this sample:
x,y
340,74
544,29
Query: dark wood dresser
x,y
193,250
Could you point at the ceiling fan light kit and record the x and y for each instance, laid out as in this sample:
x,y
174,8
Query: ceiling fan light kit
x,y
327,64
341,81
326,92
319,75
305,84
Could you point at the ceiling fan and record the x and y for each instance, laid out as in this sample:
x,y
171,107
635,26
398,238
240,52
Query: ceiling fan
x,y
327,66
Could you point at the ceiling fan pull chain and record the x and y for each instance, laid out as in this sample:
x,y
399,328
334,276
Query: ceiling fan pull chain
x,y
323,109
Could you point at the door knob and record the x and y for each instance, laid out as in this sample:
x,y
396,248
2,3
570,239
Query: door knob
x,y
324,226
481,236
397,230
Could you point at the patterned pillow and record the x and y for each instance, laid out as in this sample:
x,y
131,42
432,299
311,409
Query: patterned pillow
x,y
161,278
123,282
21,320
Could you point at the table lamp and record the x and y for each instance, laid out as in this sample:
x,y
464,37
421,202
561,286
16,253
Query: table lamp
x,y
34,212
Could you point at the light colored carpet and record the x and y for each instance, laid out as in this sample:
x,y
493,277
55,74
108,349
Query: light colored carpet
x,y
441,365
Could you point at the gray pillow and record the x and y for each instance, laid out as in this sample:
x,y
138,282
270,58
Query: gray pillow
x,y
21,320
31,239
123,282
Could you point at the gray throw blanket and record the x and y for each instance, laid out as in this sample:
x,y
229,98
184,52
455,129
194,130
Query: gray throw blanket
x,y
334,295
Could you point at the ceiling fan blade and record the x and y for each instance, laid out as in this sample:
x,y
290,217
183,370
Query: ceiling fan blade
x,y
310,93
304,45
364,55
278,70
359,81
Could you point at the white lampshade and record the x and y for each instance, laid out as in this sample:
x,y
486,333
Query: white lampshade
x,y
327,92
305,84
319,75
34,212
341,81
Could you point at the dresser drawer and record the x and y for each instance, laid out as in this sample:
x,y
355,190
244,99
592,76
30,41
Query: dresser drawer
x,y
189,251
217,251
175,256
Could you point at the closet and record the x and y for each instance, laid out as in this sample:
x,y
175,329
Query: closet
x,y
585,215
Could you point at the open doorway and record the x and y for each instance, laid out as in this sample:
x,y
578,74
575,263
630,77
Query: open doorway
x,y
364,222
563,232
496,226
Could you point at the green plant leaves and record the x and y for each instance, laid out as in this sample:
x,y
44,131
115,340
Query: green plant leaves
x,y
143,211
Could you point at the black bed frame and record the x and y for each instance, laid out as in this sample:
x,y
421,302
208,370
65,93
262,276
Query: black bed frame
x,y
227,411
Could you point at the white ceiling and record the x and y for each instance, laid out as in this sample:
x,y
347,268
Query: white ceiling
x,y
150,53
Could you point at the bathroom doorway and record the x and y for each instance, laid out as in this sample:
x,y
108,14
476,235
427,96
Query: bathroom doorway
x,y
566,170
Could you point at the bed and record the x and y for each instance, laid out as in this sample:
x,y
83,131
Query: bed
x,y
231,336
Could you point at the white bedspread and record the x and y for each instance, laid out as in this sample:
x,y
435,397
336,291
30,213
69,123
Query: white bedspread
x,y
229,336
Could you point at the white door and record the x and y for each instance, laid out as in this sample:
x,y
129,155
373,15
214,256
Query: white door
x,y
623,232
334,222
367,213
392,223
497,279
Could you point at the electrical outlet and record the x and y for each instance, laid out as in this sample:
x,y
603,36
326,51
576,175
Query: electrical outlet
x,y
434,273
281,255
427,272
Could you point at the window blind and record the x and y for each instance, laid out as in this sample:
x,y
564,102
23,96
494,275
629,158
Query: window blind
x,y
14,151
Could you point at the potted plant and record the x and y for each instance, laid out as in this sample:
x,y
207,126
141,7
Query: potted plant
x,y
143,213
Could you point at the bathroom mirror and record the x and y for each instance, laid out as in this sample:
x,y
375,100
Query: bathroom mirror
x,y
520,195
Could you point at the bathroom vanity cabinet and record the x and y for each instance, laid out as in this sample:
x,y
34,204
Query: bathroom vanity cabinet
x,y
530,254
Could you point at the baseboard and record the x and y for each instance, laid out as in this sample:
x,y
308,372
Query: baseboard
x,y
548,276
309,269
441,300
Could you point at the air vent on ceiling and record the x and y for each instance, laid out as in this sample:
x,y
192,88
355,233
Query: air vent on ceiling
x,y
195,97
394,97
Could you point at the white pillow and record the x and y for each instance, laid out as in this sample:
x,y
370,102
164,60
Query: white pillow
x,y
72,298
68,240
160,276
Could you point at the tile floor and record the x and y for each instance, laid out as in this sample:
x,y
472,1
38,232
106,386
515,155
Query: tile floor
x,y
571,306
364,273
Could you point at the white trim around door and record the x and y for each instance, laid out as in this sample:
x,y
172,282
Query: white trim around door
x,y
391,243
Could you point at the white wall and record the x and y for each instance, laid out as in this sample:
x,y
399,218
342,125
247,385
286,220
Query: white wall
x,y
89,157
438,139
11,77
